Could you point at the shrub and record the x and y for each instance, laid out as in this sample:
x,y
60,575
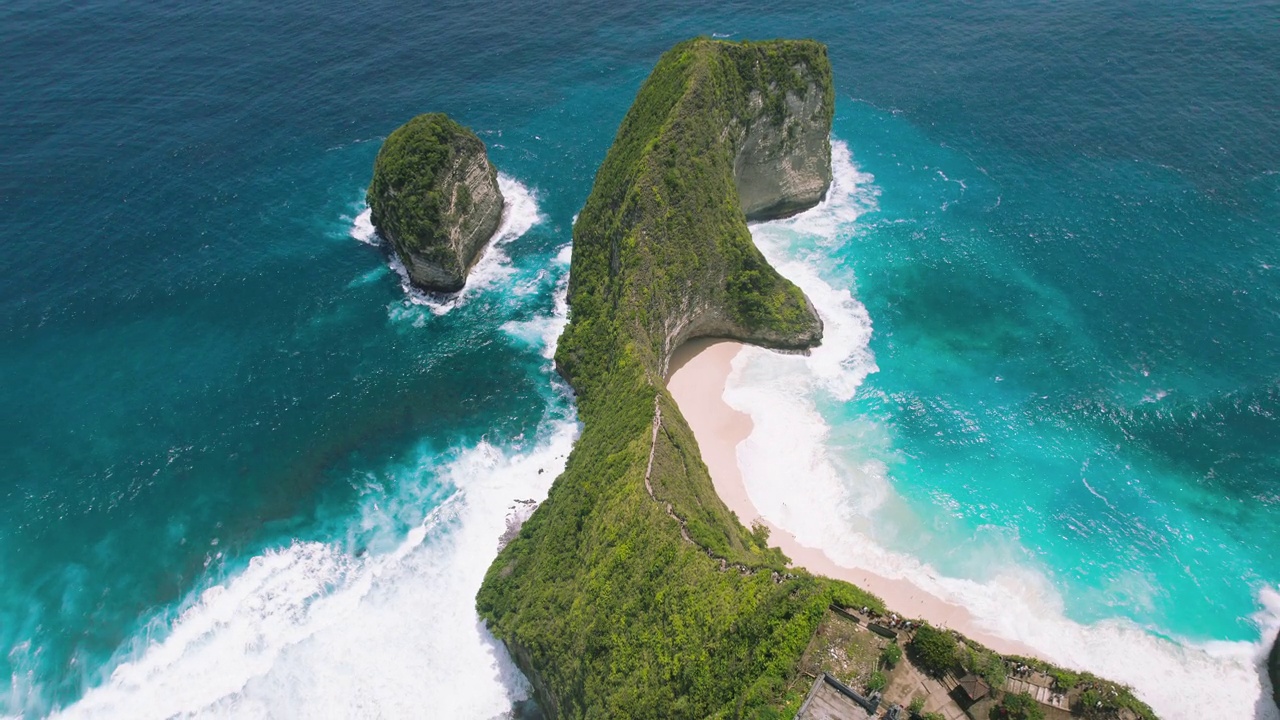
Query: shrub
x,y
877,682
1089,703
1064,680
760,534
1018,707
917,704
933,650
985,664
891,655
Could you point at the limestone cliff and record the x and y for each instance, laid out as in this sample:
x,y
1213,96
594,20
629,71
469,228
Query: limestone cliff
x,y
720,133
434,197
783,161
632,591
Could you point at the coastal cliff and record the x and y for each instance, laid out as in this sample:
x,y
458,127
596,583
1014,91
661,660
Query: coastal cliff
x,y
434,197
718,134
632,591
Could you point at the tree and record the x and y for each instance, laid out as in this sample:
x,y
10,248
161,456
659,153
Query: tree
x,y
934,651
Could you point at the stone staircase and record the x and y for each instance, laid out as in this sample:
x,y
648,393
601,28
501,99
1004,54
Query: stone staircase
x,y
1042,694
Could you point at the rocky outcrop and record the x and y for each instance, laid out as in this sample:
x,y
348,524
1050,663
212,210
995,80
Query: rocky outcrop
x,y
434,197
1274,665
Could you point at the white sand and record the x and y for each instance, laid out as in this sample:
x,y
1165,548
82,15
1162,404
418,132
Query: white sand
x,y
697,379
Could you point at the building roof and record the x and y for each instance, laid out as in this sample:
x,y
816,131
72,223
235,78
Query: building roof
x,y
975,687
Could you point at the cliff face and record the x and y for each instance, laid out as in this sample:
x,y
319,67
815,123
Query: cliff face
x,y
434,196
785,167
632,591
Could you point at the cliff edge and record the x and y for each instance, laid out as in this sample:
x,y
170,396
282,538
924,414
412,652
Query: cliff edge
x,y
434,197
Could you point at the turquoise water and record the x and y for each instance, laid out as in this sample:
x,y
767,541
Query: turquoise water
x,y
243,471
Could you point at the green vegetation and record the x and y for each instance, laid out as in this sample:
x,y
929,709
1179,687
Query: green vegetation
x,y
933,651
891,655
983,663
604,604
663,231
917,704
1097,698
406,201
877,682
1064,680
633,591
1105,701
1018,707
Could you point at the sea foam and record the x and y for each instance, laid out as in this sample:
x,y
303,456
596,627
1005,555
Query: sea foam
x,y
316,630
782,394
544,330
381,627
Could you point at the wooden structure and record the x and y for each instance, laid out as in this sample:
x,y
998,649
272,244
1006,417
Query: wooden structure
x,y
974,687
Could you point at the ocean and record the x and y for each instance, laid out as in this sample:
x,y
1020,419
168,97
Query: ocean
x,y
246,472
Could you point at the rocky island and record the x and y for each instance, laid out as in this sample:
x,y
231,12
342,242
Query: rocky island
x,y
632,591
434,197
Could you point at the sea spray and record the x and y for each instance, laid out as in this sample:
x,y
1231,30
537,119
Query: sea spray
x,y
316,629
843,497
380,620
544,330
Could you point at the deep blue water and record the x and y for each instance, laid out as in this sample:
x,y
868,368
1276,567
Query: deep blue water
x,y
1068,257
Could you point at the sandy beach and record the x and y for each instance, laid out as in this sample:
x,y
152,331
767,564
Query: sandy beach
x,y
699,371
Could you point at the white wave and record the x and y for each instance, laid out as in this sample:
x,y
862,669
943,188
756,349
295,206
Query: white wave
x,y
543,331
362,228
313,630
798,477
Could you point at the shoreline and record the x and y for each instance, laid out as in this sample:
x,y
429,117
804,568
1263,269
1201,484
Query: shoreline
x,y
697,377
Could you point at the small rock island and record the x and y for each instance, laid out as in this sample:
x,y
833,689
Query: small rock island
x,y
434,197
